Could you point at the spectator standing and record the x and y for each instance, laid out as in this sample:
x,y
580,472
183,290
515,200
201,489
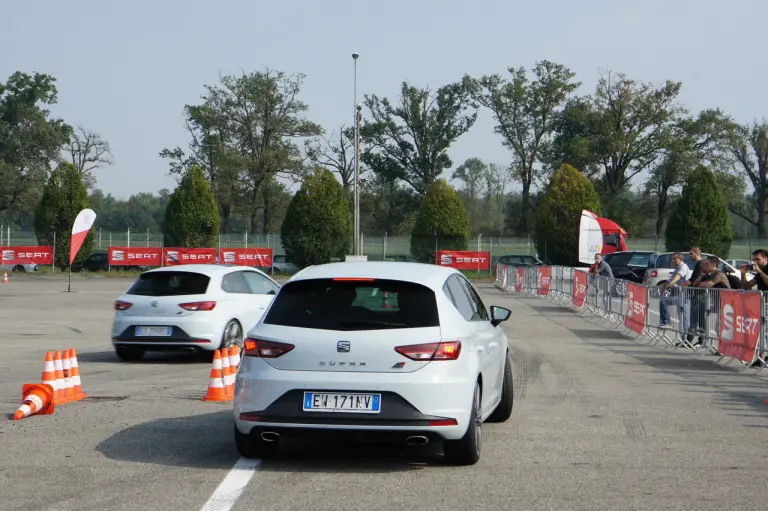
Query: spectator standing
x,y
696,299
680,274
602,269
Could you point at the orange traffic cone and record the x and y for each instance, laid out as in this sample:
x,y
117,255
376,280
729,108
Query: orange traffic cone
x,y
226,371
386,304
77,385
37,398
61,386
216,384
69,388
5,277
49,372
234,358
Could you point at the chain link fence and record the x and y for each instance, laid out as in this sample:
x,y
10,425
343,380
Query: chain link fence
x,y
375,246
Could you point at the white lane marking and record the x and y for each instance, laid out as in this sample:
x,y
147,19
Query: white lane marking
x,y
227,493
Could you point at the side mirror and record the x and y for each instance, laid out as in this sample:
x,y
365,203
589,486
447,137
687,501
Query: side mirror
x,y
499,315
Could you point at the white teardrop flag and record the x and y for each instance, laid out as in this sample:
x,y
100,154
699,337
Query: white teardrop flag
x,y
80,228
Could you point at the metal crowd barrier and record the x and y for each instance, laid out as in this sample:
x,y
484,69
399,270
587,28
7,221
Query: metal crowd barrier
x,y
727,323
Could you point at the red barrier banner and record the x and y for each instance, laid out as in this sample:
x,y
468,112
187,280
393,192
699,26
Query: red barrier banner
x,y
520,284
246,256
544,280
637,307
134,256
464,260
579,292
176,256
26,255
739,325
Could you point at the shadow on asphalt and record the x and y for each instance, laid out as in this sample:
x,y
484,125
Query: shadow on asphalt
x,y
549,310
109,357
207,441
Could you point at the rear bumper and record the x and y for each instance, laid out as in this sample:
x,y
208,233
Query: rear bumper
x,y
179,340
429,402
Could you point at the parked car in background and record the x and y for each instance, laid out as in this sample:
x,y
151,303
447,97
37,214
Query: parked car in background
x,y
660,269
520,260
738,263
18,267
191,307
282,264
629,265
99,261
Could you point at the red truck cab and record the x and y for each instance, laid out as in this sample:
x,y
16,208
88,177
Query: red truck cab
x,y
614,237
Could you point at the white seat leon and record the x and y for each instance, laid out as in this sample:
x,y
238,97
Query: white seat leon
x,y
402,352
195,307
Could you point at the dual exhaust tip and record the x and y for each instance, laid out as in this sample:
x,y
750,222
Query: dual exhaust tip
x,y
271,436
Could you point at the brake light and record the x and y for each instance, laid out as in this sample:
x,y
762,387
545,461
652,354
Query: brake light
x,y
266,349
431,351
198,306
121,306
443,422
353,279
654,273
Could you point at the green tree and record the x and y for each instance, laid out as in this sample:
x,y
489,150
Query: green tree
x,y
749,147
192,216
29,138
473,173
441,223
410,140
559,214
64,196
525,111
700,217
318,222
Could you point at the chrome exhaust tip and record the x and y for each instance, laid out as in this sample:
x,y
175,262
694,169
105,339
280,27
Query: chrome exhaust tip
x,y
417,440
270,436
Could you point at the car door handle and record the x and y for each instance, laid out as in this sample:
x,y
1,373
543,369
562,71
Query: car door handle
x,y
493,344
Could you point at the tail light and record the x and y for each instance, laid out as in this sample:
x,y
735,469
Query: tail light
x,y
121,306
431,351
198,306
266,349
654,273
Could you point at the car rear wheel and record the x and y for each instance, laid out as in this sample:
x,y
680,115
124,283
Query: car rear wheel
x,y
504,409
130,354
466,450
19,268
250,446
233,335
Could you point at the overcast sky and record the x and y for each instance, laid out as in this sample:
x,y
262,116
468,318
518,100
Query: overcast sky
x,y
126,69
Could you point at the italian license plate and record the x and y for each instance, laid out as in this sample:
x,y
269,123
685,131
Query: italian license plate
x,y
153,331
342,402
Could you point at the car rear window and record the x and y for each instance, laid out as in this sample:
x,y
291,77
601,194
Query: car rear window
x,y
353,304
170,283
665,261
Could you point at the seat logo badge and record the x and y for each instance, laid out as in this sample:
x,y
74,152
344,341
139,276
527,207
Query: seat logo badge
x,y
342,346
154,303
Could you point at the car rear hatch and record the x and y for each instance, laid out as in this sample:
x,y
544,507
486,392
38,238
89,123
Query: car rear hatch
x,y
162,294
352,325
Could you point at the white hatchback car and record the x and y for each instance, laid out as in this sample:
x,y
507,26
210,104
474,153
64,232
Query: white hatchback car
x,y
195,307
405,352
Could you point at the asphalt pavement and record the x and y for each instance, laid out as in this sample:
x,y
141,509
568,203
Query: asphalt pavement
x,y
601,422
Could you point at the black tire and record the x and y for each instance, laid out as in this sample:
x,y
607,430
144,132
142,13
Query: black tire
x,y
130,354
251,446
504,409
19,269
233,334
466,450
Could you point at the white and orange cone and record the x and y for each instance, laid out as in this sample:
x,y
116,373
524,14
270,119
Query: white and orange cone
x,y
226,371
216,384
234,358
5,277
37,399
61,386
49,371
69,388
77,385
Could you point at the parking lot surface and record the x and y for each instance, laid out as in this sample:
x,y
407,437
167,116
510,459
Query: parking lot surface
x,y
600,423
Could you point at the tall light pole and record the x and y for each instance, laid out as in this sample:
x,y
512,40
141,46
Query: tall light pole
x,y
358,115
